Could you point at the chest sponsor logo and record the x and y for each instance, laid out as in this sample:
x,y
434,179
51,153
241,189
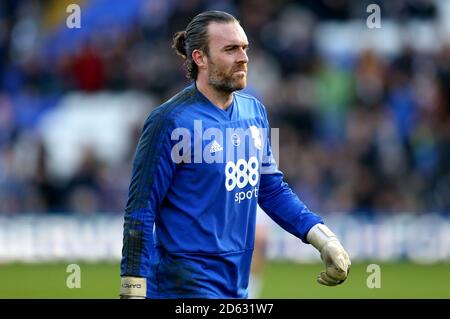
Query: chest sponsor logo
x,y
239,175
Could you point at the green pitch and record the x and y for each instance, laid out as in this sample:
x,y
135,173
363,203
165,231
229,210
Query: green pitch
x,y
281,280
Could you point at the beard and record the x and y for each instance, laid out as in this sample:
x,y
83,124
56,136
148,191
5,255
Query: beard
x,y
226,81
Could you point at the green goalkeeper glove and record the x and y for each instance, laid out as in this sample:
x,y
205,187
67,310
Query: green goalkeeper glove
x,y
337,262
133,288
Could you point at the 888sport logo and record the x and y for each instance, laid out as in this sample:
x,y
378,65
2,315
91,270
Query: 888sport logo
x,y
239,175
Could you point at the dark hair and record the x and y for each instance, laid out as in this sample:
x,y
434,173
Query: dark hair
x,y
195,37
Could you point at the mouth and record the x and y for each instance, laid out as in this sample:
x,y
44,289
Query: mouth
x,y
240,72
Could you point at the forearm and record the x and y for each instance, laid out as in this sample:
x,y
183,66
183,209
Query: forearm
x,y
137,243
284,207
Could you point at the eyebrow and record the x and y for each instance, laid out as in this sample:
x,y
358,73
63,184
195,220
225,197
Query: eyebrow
x,y
232,46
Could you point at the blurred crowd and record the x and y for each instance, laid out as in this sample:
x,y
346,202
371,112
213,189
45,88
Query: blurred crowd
x,y
368,133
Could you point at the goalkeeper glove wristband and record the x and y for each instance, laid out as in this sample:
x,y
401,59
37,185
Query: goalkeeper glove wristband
x,y
336,259
133,288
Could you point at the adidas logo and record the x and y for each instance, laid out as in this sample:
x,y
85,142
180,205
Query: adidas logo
x,y
215,147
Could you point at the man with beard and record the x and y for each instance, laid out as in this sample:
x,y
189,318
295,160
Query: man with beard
x,y
202,165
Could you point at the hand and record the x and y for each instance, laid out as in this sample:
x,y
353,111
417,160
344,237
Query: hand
x,y
133,288
336,259
337,264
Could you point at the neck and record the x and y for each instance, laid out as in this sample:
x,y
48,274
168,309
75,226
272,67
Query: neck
x,y
218,98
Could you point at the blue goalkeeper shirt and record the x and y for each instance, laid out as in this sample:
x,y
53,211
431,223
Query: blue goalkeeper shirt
x,y
198,174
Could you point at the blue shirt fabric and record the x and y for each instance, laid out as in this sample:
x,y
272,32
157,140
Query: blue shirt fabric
x,y
198,174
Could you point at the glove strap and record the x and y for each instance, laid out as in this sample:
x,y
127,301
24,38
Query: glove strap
x,y
133,287
319,235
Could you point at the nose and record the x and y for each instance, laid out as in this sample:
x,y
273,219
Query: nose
x,y
242,56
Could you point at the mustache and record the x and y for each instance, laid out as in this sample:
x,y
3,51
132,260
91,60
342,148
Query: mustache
x,y
239,68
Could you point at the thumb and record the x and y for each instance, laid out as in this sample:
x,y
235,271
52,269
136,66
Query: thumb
x,y
337,256
340,263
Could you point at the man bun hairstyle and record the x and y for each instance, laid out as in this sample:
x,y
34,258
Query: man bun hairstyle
x,y
179,43
195,37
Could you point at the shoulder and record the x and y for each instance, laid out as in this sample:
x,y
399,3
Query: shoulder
x,y
253,102
246,97
169,112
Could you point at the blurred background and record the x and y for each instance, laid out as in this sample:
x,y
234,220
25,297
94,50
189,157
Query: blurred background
x,y
363,113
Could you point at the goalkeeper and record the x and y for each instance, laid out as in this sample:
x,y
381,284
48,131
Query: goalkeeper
x,y
202,165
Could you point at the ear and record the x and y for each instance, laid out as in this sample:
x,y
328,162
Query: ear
x,y
200,58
